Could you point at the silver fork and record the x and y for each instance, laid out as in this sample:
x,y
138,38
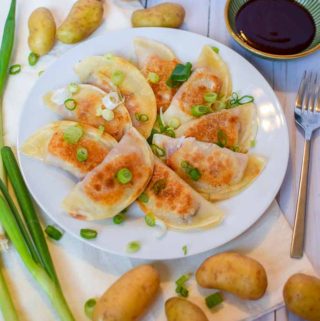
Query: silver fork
x,y
307,116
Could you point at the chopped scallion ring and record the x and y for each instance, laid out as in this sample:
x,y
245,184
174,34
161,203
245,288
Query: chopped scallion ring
x,y
190,170
185,250
182,279
33,58
82,154
144,198
158,151
73,134
221,105
180,74
235,100
153,77
118,77
184,292
88,234
53,232
214,300
150,220
222,138
215,49
200,110
101,129
210,97
89,307
141,117
73,88
159,185
174,122
124,176
119,218
253,143
107,114
169,132
14,69
70,104
133,247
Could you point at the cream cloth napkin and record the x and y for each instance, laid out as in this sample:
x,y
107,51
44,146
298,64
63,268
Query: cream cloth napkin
x,y
86,272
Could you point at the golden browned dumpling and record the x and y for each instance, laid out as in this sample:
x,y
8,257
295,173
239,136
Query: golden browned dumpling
x,y
92,106
170,199
115,183
157,61
76,148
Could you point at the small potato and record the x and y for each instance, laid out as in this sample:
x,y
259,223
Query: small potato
x,y
235,273
179,309
128,297
83,19
42,31
301,295
170,15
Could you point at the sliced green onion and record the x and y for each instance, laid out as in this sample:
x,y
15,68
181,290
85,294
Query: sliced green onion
x,y
53,232
14,69
190,170
222,138
73,88
73,134
182,291
101,129
124,176
158,151
235,148
108,56
153,77
185,250
169,132
214,300
235,100
141,117
210,97
88,234
119,218
89,307
221,105
200,110
194,174
133,247
118,77
33,58
253,143
107,114
150,138
174,122
182,279
180,74
215,49
150,220
159,185
144,198
70,104
82,154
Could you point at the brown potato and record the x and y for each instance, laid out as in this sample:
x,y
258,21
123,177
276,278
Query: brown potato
x,y
170,15
128,298
301,295
179,309
42,31
235,273
83,19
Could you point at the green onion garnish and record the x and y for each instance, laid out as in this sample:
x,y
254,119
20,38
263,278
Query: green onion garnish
x,y
107,114
82,154
235,100
153,77
40,72
180,74
158,151
70,104
184,292
14,69
108,56
222,138
182,279
124,176
101,129
150,138
210,97
159,185
144,198
89,307
33,58
185,250
119,218
215,49
235,148
174,122
141,117
253,143
133,247
190,170
221,105
88,234
73,134
213,300
53,232
169,132
118,77
200,110
73,88
150,219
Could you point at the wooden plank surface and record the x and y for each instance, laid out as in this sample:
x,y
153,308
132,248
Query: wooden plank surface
x,y
207,18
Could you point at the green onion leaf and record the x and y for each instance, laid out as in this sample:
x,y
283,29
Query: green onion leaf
x,y
190,170
124,176
118,77
73,134
222,138
183,279
82,154
214,300
174,122
33,58
73,88
53,232
158,151
88,234
141,117
107,114
169,132
235,100
133,247
144,198
119,218
215,49
150,219
101,129
221,105
210,97
200,110
70,104
185,250
153,77
235,148
14,69
180,74
182,291
159,185
150,138
89,307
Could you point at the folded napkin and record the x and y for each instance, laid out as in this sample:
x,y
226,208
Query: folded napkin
x,y
86,272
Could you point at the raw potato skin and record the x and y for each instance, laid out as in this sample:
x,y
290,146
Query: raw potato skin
x,y
179,309
129,297
170,15
42,31
301,295
83,19
235,273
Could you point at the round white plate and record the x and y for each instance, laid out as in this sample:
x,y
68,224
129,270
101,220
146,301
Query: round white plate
x,y
49,185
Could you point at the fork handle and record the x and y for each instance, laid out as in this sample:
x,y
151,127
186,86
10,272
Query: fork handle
x,y
299,223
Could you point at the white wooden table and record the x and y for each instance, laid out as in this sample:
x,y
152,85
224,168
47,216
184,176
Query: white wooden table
x,y
207,18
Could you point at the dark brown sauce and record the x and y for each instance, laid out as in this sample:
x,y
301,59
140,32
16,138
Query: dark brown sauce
x,y
275,26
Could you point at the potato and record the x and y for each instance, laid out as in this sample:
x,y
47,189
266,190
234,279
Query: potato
x,y
42,31
83,19
179,309
301,295
235,273
128,297
170,15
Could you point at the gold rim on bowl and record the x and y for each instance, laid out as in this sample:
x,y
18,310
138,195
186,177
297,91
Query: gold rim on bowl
x,y
259,52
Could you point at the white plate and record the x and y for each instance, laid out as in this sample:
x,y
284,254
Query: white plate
x,y
49,185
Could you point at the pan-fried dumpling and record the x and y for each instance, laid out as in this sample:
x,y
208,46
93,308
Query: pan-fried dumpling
x,y
91,105
157,61
173,201
138,96
115,183
217,173
76,148
201,82
212,60
236,127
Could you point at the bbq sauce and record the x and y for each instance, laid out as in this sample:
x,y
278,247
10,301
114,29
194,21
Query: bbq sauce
x,y
275,26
